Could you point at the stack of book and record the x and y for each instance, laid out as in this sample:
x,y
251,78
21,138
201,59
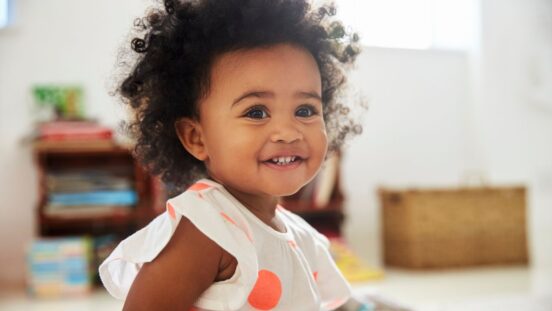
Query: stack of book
x,y
89,193
59,267
67,134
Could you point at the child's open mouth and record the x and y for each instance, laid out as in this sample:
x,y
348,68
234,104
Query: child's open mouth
x,y
284,162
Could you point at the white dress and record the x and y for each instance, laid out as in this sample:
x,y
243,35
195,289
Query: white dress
x,y
290,270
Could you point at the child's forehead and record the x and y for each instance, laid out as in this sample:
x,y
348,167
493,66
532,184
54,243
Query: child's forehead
x,y
262,63
285,72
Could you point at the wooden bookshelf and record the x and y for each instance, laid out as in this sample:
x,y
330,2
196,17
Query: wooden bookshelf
x,y
91,155
103,155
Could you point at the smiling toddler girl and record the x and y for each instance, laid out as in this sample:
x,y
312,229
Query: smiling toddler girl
x,y
236,104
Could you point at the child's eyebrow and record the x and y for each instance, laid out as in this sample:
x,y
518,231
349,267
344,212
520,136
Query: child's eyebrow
x,y
269,94
312,95
256,94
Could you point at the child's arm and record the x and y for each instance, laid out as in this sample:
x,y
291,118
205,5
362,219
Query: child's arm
x,y
176,278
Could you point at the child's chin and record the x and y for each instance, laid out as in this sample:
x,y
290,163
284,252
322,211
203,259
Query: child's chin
x,y
287,191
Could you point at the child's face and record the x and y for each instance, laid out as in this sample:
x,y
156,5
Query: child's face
x,y
263,110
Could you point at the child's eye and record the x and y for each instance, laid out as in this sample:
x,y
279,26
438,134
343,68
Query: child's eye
x,y
306,111
256,113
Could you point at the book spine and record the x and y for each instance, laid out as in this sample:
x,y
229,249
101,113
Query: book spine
x,y
125,197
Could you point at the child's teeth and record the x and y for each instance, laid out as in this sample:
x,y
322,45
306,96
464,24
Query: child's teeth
x,y
283,160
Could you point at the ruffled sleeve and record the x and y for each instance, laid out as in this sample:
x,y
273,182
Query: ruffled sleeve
x,y
201,205
334,290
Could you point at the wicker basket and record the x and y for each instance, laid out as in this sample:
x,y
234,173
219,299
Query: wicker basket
x,y
454,227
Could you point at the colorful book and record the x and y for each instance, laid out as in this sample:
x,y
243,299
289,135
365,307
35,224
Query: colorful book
x,y
73,130
86,211
86,181
106,197
59,267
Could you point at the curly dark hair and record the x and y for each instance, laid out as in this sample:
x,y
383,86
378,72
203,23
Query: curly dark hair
x,y
172,56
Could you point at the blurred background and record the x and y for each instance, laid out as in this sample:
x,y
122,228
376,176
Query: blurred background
x,y
459,95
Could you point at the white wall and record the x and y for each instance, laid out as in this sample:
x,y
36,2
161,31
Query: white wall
x,y
55,41
515,128
429,120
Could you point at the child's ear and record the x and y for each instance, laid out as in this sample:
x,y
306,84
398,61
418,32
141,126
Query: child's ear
x,y
191,136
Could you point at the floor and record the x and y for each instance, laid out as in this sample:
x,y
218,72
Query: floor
x,y
488,289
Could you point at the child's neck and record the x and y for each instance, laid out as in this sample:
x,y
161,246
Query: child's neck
x,y
262,206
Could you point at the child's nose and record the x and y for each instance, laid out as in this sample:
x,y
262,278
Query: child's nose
x,y
285,131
